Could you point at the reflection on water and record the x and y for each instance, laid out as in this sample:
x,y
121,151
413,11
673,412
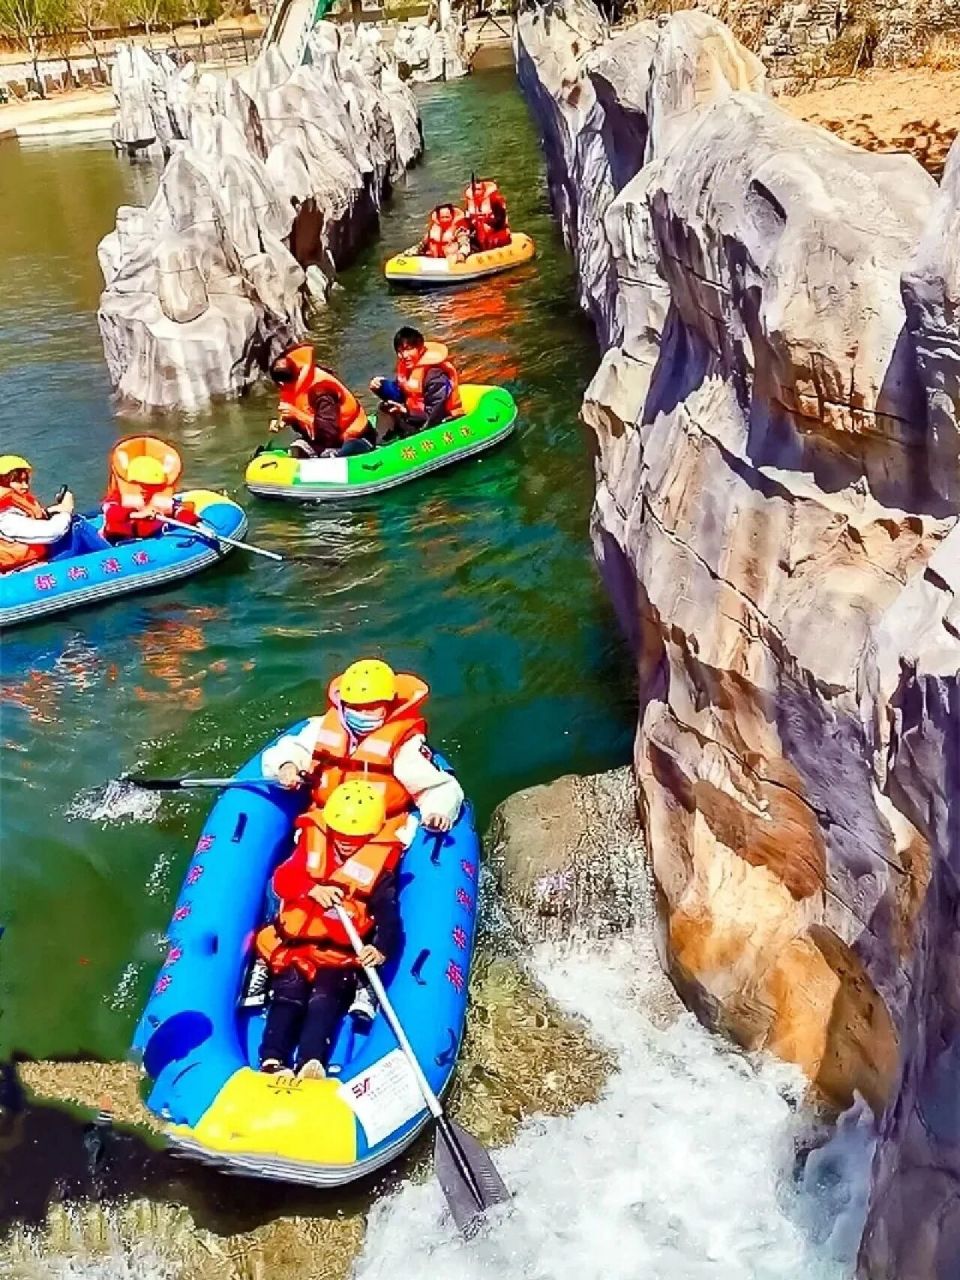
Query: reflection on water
x,y
480,577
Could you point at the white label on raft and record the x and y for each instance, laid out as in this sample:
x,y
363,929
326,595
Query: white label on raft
x,y
384,1097
323,471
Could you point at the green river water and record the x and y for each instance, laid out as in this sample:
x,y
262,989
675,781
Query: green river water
x,y
479,578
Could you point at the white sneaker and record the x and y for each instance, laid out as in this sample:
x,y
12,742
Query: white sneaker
x,y
364,1007
258,983
312,1069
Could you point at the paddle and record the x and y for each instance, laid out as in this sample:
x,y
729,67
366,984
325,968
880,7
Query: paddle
x,y
182,784
210,535
465,1171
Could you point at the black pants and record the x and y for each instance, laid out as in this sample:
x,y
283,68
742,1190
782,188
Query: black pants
x,y
306,1013
304,447
396,426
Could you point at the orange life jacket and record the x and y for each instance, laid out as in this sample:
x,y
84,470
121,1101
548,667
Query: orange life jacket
x,y
373,756
478,198
18,555
295,396
483,199
131,495
434,356
305,935
442,236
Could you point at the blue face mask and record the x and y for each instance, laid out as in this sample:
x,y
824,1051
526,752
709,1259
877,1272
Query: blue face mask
x,y
360,722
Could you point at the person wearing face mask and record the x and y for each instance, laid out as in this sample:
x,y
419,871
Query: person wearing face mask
x,y
28,530
424,391
322,412
373,728
344,855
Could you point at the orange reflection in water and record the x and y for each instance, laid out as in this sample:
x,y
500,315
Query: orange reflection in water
x,y
38,693
167,647
488,317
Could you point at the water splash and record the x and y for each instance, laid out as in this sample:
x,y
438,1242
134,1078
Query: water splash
x,y
683,1170
125,992
116,802
159,874
28,1257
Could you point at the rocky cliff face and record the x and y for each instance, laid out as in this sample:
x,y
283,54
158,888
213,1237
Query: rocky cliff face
x,y
273,180
776,498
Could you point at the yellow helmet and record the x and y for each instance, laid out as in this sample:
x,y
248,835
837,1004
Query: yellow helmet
x,y
368,680
355,809
146,471
13,462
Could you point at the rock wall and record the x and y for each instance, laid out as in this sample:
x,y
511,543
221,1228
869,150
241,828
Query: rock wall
x,y
777,493
275,178
802,39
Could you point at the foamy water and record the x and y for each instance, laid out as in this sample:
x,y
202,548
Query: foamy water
x,y
118,801
682,1171
140,1264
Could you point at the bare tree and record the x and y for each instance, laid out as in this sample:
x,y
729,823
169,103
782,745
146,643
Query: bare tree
x,y
150,14
91,14
59,29
26,22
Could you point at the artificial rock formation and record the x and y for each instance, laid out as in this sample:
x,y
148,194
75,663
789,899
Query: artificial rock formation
x,y
274,179
777,494
427,53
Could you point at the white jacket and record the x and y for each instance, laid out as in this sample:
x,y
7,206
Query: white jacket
x,y
15,526
436,794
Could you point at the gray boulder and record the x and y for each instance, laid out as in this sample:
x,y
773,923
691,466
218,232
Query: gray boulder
x,y
271,175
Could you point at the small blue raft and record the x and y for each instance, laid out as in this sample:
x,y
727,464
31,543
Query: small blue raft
x,y
85,576
201,1049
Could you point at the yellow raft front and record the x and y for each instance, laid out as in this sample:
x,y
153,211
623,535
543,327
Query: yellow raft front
x,y
423,273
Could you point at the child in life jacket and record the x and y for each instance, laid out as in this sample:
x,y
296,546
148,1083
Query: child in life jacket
x,y
345,854
141,491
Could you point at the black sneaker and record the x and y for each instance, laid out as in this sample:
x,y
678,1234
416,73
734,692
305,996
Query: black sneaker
x,y
258,984
364,1007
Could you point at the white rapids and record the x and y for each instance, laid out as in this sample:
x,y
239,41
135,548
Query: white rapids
x,y
683,1170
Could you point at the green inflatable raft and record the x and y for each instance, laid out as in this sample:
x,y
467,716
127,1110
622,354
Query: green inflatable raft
x,y
490,414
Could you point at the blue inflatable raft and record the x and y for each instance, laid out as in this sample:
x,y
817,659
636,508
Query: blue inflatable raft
x,y
201,1049
93,571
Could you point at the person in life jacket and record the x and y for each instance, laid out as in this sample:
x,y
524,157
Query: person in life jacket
x,y
141,490
424,391
447,235
486,212
344,854
374,729
325,415
29,531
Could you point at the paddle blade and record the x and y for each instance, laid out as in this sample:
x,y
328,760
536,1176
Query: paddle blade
x,y
467,1177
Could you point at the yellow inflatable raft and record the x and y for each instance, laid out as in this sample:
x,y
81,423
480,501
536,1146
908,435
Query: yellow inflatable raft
x,y
423,273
